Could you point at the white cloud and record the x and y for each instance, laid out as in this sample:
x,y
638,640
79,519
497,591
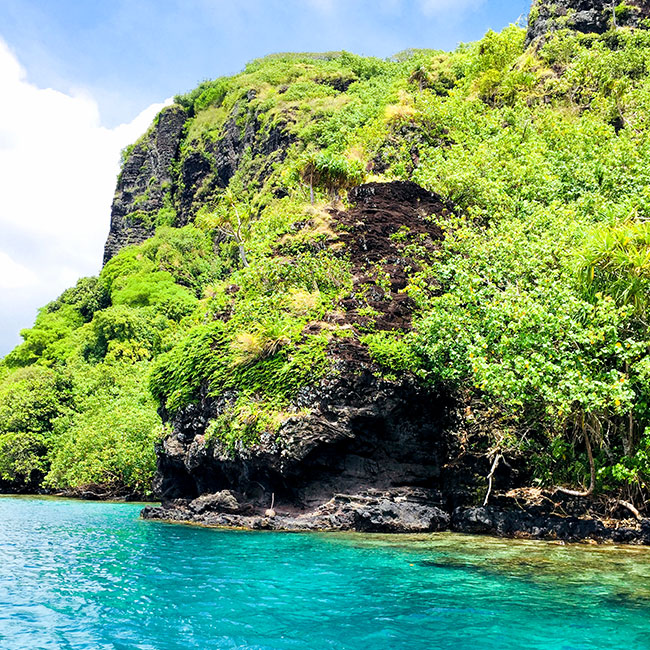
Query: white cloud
x,y
58,167
14,275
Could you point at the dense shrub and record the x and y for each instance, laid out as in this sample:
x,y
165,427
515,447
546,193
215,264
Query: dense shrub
x,y
32,400
108,440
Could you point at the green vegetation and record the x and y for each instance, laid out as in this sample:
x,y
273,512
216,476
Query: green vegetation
x,y
533,311
330,172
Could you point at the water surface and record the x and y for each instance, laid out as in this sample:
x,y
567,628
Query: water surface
x,y
93,576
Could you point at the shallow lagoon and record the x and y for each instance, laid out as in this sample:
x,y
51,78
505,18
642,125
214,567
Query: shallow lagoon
x,y
87,575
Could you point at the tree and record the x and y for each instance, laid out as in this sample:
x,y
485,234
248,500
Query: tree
x,y
234,220
616,261
421,76
31,401
329,171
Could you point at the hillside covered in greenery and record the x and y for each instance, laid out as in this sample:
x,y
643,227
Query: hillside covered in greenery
x,y
234,268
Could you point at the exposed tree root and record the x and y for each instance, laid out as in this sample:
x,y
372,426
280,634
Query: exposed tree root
x,y
631,508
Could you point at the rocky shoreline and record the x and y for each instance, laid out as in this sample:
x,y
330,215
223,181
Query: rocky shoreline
x,y
402,510
366,452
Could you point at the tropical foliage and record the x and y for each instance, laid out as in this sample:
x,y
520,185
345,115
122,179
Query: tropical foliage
x,y
533,311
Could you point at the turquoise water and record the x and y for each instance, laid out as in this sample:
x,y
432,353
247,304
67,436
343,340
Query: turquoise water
x,y
79,575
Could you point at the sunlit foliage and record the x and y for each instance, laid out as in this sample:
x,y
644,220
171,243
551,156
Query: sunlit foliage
x,y
533,312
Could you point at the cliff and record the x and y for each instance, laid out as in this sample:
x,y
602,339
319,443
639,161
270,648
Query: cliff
x,y
164,183
387,295
360,440
145,184
366,452
585,16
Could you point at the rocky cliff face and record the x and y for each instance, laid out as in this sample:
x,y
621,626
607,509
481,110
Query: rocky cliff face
x,y
145,184
372,453
373,456
362,450
165,177
364,440
587,16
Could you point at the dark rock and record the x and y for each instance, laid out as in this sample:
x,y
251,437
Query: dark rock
x,y
534,524
203,172
586,16
144,182
645,531
224,501
409,510
379,211
340,84
196,168
394,511
386,444
155,174
364,432
402,510
175,510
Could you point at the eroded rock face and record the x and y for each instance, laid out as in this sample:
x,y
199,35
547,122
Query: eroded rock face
x,y
408,510
372,454
157,174
586,16
224,501
146,179
362,433
203,172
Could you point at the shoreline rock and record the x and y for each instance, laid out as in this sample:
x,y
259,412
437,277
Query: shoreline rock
x,y
525,524
400,511
363,451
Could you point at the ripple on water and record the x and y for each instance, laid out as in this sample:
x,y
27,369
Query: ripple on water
x,y
83,575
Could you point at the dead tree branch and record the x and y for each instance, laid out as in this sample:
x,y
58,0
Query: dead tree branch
x,y
495,464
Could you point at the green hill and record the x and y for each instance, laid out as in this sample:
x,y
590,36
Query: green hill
x,y
507,282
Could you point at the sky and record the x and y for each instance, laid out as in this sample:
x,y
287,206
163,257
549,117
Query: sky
x,y
80,80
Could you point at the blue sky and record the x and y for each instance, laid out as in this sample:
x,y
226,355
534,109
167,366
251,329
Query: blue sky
x,y
80,79
131,53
